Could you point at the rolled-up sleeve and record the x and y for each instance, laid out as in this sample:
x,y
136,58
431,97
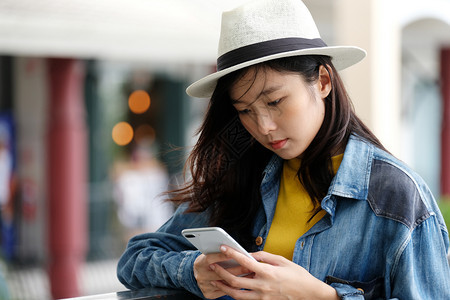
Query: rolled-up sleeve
x,y
163,258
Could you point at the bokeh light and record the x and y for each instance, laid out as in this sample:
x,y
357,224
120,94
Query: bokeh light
x,y
122,133
139,101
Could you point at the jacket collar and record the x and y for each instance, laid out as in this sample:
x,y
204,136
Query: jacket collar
x,y
352,178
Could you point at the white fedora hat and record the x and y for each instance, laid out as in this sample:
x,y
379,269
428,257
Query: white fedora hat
x,y
263,30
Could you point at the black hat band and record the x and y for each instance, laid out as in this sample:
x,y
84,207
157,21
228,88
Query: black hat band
x,y
262,49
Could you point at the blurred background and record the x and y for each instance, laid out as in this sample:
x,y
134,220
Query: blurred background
x,y
95,122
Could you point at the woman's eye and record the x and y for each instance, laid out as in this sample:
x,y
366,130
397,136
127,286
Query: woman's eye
x,y
243,111
274,103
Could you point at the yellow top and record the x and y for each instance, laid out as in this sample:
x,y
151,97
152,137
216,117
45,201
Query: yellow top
x,y
294,210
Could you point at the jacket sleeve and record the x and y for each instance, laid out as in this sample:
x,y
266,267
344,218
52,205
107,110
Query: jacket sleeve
x,y
421,270
163,258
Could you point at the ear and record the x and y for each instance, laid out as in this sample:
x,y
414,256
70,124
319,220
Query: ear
x,y
324,82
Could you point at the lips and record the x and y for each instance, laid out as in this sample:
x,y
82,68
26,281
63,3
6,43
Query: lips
x,y
278,144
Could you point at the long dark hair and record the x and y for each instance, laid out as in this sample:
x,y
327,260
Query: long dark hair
x,y
226,163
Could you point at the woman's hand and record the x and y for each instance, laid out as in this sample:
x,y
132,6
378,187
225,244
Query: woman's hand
x,y
204,274
274,278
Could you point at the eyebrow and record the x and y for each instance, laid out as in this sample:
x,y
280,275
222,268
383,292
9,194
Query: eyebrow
x,y
267,91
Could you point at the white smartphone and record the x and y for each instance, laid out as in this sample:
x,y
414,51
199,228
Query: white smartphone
x,y
209,239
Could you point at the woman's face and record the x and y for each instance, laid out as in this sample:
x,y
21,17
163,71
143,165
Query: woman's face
x,y
280,110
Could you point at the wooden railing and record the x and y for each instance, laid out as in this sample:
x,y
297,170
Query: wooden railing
x,y
144,294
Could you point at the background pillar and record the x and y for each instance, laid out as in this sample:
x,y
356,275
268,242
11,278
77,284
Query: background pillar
x,y
374,84
67,164
445,138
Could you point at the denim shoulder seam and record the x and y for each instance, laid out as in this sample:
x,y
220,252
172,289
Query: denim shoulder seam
x,y
388,215
395,194
399,253
406,173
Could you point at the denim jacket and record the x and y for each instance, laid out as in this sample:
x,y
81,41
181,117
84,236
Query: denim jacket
x,y
383,236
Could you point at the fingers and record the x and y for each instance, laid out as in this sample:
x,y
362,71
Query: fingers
x,y
241,259
275,278
231,279
235,293
238,282
268,258
209,291
236,270
204,274
214,258
233,282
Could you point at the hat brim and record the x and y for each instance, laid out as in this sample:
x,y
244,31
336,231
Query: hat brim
x,y
342,57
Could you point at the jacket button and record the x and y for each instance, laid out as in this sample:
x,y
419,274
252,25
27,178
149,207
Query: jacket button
x,y
259,241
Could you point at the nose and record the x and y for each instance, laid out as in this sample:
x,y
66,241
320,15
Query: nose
x,y
265,123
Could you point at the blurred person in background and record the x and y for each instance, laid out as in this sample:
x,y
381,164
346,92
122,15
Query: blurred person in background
x,y
287,168
139,185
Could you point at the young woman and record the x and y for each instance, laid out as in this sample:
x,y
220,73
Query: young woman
x,y
286,167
